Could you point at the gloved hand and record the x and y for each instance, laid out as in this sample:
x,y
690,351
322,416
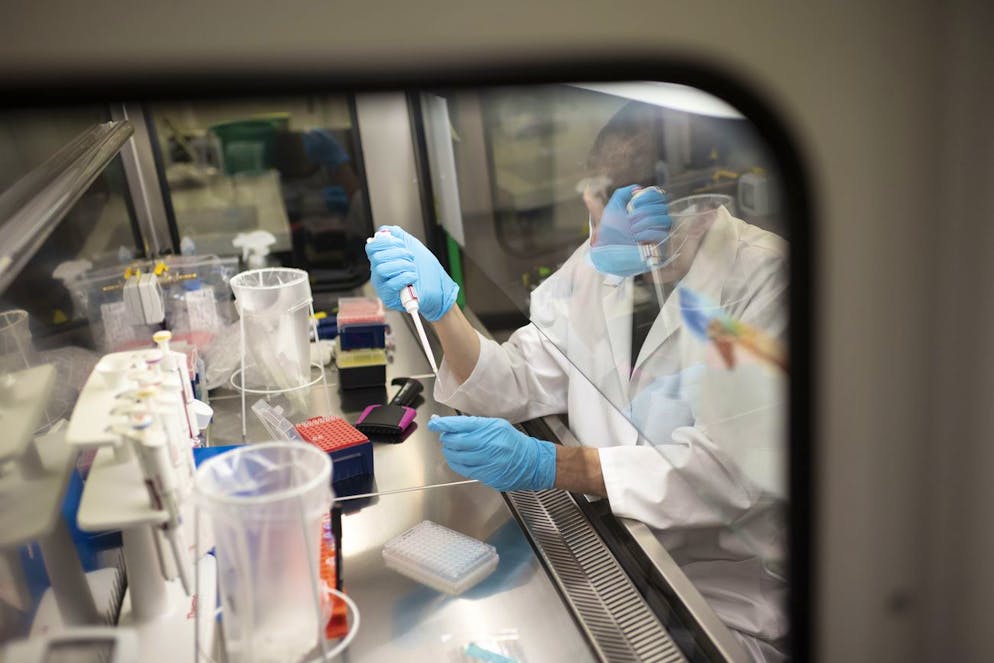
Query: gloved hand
x,y
400,260
615,239
321,146
647,222
496,453
667,403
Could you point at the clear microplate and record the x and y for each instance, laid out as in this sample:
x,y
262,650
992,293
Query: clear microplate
x,y
439,557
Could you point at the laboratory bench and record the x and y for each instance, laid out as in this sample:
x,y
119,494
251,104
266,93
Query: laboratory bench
x,y
558,593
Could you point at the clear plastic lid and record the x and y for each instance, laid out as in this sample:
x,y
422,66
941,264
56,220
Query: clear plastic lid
x,y
359,311
439,557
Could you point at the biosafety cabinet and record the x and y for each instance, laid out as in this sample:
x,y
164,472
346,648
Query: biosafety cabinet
x,y
123,219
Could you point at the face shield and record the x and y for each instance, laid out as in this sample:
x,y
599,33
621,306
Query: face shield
x,y
637,230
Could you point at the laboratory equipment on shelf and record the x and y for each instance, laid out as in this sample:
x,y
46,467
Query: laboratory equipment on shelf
x,y
192,292
756,194
267,504
133,410
409,299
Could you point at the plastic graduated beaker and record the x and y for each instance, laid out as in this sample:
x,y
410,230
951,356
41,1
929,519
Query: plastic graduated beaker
x,y
275,307
17,351
266,503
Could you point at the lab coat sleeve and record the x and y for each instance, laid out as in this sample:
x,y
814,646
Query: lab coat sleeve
x,y
528,375
521,379
689,483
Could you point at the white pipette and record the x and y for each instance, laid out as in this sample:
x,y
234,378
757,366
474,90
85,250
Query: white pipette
x,y
409,298
648,251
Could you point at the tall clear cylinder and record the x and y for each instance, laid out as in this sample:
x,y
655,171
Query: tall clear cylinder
x,y
266,503
275,306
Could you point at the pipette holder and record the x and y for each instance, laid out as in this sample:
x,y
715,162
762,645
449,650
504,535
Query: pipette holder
x,y
32,492
167,621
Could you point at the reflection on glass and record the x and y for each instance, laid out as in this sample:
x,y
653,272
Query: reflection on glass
x,y
46,357
44,301
275,181
660,322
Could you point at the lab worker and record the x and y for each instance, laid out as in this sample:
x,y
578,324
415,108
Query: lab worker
x,y
630,380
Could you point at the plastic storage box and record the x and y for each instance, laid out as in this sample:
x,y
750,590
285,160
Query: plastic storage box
x,y
362,336
350,450
361,368
441,558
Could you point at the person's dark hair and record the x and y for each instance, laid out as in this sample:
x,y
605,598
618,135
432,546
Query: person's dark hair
x,y
629,146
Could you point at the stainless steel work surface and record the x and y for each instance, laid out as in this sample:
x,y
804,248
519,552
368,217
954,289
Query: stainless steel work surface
x,y
416,461
517,605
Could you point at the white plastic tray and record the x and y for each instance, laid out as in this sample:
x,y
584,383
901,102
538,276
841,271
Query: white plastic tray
x,y
441,558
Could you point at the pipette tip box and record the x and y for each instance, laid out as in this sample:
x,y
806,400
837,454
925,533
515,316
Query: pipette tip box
x,y
440,558
359,311
369,335
361,368
350,450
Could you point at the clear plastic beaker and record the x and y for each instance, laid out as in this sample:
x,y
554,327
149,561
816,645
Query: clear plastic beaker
x,y
275,306
266,503
17,352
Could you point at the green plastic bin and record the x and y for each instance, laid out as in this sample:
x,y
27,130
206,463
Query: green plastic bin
x,y
247,145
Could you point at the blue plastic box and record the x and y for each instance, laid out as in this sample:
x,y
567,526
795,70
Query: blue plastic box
x,y
356,337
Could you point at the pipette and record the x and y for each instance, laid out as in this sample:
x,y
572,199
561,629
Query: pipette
x,y
152,452
409,298
649,251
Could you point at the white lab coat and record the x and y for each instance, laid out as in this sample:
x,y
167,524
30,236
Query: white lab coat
x,y
713,498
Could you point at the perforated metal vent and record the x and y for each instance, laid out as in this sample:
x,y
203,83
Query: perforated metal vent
x,y
610,609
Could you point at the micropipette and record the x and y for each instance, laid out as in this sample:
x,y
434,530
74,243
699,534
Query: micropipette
x,y
409,298
152,452
649,251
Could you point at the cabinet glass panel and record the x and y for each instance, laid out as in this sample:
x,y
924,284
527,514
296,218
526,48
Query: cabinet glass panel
x,y
280,178
630,239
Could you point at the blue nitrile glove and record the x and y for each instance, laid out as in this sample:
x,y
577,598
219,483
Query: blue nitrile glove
x,y
667,403
614,242
496,453
400,260
647,222
323,148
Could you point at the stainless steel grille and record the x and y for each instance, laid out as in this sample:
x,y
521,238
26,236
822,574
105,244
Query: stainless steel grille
x,y
607,605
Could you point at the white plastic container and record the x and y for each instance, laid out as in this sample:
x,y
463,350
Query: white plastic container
x,y
266,503
275,305
441,558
